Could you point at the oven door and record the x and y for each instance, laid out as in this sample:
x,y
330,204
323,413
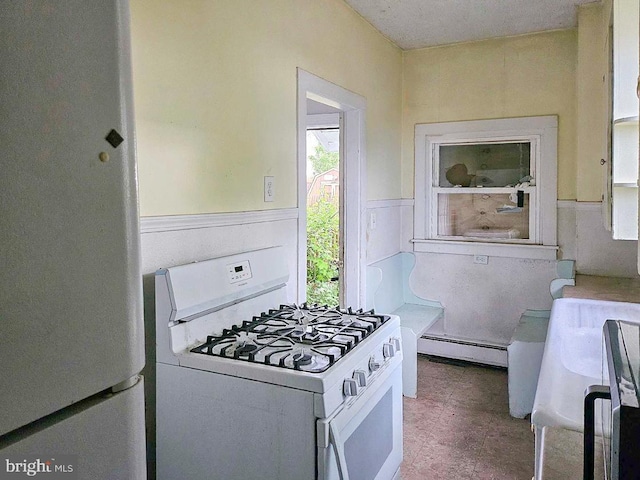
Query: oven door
x,y
363,440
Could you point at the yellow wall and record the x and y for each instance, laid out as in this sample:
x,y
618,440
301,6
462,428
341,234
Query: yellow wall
x,y
215,87
591,101
215,98
507,77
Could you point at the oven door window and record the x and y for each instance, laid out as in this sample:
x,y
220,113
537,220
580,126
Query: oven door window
x,y
373,436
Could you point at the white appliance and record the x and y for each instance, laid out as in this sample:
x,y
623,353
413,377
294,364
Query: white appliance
x,y
250,387
71,328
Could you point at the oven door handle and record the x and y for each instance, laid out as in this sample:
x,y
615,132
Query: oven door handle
x,y
336,442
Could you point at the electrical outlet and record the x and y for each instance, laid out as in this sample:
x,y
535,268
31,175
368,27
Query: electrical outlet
x,y
372,221
481,259
269,189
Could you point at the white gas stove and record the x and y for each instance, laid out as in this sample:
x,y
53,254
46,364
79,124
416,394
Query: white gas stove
x,y
250,386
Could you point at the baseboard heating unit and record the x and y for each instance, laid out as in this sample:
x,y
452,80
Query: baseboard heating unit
x,y
462,349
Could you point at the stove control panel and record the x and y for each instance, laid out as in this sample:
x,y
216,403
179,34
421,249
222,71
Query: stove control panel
x,y
368,370
238,272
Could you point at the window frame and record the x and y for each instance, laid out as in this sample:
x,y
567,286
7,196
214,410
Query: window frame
x,y
541,132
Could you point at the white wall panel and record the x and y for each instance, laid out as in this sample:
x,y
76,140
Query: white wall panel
x,y
385,239
567,230
597,252
483,302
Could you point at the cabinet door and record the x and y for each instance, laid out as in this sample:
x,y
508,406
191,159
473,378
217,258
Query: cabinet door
x,y
70,283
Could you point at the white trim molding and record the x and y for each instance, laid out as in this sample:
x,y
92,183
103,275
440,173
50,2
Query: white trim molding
x,y
323,120
400,202
170,223
508,250
540,131
352,178
575,205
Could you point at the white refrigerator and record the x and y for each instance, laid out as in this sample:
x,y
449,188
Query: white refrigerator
x,y
71,326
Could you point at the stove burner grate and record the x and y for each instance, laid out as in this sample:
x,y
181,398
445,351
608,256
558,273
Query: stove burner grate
x,y
307,338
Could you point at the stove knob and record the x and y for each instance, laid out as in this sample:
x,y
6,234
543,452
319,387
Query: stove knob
x,y
360,377
396,343
388,350
350,387
373,364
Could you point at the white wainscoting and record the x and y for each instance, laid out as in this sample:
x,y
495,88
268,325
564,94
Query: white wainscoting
x,y
392,219
567,229
596,252
191,222
482,303
175,240
494,297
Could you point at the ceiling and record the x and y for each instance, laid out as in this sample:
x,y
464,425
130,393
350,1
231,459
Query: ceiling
x,y
423,23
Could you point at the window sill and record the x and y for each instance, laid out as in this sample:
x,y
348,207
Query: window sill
x,y
508,250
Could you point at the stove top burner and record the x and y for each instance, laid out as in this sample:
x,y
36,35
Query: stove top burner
x,y
309,335
245,349
302,358
307,338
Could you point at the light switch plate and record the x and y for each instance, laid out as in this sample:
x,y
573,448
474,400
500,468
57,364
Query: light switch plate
x,y
269,189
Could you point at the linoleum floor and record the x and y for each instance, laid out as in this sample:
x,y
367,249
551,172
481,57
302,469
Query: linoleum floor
x,y
459,427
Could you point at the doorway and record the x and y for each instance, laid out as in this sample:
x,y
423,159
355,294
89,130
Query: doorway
x,y
324,209
350,111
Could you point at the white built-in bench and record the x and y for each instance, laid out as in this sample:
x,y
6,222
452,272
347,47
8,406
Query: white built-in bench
x,y
524,357
524,353
388,292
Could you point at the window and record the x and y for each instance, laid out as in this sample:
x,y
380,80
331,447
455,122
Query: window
x,y
624,144
501,211
487,186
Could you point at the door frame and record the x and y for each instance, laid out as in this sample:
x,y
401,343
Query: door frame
x,y
353,108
